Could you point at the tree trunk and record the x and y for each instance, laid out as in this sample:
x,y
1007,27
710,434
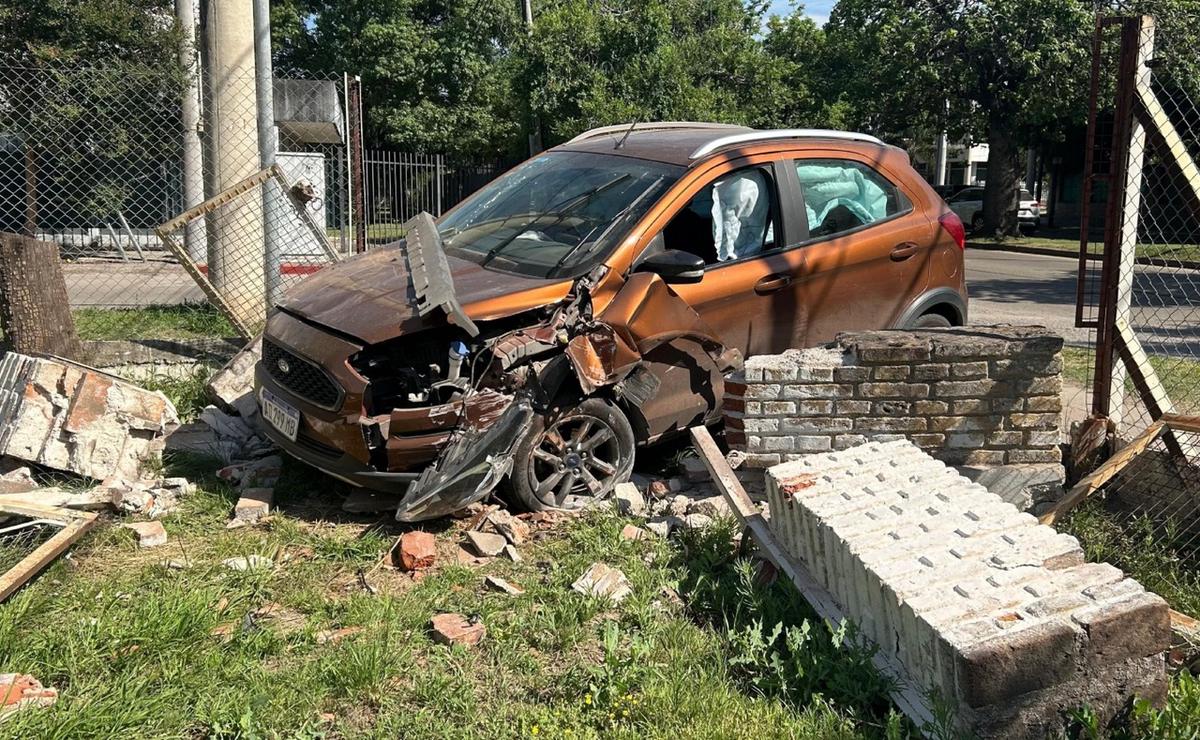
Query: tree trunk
x,y
34,311
1000,192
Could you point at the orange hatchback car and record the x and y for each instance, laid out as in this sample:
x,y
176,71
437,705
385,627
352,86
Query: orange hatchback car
x,y
590,301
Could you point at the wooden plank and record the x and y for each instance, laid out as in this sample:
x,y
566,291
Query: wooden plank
x,y
1141,372
1101,475
1182,423
1156,119
910,699
33,563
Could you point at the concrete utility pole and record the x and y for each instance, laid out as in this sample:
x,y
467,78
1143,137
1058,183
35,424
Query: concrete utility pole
x,y
235,238
193,150
535,126
268,144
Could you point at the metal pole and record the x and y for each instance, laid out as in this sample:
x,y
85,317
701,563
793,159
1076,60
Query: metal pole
x,y
193,150
1130,210
268,142
354,104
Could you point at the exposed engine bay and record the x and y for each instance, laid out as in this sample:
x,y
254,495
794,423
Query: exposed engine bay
x,y
476,390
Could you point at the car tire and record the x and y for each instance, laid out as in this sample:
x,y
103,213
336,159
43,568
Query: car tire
x,y
572,457
976,222
931,321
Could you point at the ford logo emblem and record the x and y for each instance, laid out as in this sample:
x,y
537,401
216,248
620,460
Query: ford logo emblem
x,y
283,366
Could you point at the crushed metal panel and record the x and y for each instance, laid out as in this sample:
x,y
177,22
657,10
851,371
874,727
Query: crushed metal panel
x,y
430,272
469,468
646,313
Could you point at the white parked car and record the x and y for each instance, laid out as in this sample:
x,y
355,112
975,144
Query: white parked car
x,y
968,205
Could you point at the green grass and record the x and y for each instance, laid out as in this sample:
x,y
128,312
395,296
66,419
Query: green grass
x,y
1180,377
1156,558
1190,252
187,391
128,641
184,321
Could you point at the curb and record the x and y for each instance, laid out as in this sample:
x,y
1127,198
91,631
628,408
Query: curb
x,y
1044,251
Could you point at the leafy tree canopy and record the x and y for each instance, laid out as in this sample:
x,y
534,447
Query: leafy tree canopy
x,y
434,71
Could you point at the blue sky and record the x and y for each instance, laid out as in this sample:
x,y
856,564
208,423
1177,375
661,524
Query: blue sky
x,y
818,10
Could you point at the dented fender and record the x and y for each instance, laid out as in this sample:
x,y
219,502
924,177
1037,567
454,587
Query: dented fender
x,y
643,315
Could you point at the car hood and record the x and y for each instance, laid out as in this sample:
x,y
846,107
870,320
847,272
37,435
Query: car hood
x,y
371,297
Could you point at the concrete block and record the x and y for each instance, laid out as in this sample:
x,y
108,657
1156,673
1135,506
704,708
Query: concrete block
x,y
974,600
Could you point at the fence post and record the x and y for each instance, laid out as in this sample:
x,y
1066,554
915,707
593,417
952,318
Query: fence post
x,y
264,81
357,202
438,170
1121,217
1131,208
193,149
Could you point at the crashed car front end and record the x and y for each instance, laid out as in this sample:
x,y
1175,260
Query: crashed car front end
x,y
433,414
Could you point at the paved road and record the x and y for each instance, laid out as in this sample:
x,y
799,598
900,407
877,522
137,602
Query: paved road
x,y
1034,289
1008,288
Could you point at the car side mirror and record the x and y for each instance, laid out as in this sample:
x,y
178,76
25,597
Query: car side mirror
x,y
674,266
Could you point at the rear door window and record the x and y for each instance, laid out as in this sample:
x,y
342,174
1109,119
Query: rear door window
x,y
842,195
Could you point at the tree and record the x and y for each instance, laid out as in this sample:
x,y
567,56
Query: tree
x,y
434,75
93,85
35,314
1012,70
590,63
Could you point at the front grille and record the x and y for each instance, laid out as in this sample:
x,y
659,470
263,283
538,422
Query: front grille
x,y
302,377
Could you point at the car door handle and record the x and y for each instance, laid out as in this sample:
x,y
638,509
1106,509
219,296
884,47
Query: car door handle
x,y
901,252
772,283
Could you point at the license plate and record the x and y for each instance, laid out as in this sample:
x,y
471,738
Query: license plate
x,y
280,414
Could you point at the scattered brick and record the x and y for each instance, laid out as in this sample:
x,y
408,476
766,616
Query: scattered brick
x,y
455,629
486,544
496,583
149,534
415,551
604,581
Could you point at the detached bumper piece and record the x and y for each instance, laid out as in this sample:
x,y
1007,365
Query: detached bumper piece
x,y
469,468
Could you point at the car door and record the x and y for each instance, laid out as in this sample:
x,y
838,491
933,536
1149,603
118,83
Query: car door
x,y
745,297
867,253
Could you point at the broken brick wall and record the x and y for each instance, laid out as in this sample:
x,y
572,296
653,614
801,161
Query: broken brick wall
x,y
975,396
71,417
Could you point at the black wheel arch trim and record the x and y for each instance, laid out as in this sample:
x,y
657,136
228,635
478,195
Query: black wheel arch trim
x,y
930,299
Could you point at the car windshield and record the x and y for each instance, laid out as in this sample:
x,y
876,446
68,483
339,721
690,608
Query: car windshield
x,y
1026,195
557,214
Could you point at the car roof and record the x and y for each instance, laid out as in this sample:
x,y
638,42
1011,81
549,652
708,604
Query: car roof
x,y
686,143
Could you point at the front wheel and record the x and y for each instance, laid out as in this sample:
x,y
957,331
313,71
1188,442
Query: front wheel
x,y
977,223
570,458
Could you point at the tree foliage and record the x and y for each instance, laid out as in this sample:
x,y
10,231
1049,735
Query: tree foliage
x,y
1013,71
435,72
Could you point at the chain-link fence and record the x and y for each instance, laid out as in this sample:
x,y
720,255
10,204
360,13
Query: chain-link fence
x,y
94,158
1139,293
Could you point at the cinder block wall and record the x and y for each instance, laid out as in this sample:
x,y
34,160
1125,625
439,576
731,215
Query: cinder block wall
x,y
966,598
977,396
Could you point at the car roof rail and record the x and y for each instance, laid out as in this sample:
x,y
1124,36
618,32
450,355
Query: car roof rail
x,y
786,133
649,126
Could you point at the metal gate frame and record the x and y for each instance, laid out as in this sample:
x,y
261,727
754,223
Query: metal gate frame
x,y
260,178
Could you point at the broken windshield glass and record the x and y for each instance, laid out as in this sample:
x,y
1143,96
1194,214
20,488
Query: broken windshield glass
x,y
557,214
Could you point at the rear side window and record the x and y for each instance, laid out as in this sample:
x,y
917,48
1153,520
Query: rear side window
x,y
842,195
